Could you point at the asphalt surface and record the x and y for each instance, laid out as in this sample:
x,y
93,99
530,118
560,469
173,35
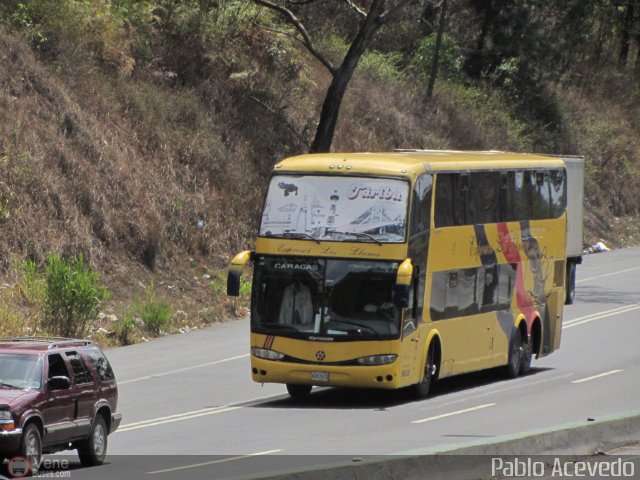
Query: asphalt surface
x,y
191,410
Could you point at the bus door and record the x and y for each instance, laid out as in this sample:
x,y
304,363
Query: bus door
x,y
413,336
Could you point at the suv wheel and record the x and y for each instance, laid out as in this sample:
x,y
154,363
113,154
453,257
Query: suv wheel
x,y
31,447
93,450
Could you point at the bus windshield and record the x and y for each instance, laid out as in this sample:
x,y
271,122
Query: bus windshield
x,y
336,208
342,299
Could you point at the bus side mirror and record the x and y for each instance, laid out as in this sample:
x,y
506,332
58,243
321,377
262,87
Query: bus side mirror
x,y
402,292
235,269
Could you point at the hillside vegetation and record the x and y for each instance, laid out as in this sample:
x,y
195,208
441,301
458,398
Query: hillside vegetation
x,y
136,136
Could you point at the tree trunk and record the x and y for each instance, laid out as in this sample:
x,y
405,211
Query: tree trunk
x,y
331,105
625,36
475,63
436,53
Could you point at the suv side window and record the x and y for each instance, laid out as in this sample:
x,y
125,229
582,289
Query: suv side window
x,y
80,371
101,364
57,367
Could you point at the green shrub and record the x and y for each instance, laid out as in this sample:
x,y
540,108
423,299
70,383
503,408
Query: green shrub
x,y
155,315
73,295
125,329
382,66
33,283
450,62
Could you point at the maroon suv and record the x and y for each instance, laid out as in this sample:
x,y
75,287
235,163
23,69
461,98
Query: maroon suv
x,y
55,394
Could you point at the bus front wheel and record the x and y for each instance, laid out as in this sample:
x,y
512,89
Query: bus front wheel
x,y
422,389
298,391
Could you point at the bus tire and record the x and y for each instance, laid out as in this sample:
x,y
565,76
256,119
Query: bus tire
x,y
422,388
527,354
516,347
570,284
298,391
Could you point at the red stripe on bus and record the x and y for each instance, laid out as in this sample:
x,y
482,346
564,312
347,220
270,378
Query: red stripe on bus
x,y
512,254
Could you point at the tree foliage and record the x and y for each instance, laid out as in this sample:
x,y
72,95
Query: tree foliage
x,y
372,15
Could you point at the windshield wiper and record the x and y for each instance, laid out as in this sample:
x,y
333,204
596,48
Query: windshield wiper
x,y
2,384
294,235
358,326
359,234
277,326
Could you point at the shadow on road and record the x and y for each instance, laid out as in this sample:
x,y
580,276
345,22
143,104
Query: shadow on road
x,y
374,399
595,294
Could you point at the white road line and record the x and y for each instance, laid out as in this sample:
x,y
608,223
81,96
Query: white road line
x,y
185,369
152,422
594,377
600,315
213,462
482,393
177,419
607,275
450,414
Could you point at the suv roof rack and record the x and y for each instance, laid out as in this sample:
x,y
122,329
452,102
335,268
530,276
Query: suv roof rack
x,y
54,342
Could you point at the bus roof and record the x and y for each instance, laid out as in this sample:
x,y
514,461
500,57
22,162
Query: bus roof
x,y
413,162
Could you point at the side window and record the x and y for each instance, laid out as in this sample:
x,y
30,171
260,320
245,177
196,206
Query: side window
x,y
421,204
57,367
469,291
558,193
506,284
438,288
518,196
444,201
451,295
540,194
463,210
489,287
101,364
80,371
484,196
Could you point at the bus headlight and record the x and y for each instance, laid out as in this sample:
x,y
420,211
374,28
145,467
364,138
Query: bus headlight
x,y
377,359
266,354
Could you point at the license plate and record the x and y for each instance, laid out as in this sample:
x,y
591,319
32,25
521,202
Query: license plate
x,y
320,376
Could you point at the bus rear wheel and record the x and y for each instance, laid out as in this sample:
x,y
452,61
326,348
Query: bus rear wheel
x,y
298,391
570,284
527,355
421,389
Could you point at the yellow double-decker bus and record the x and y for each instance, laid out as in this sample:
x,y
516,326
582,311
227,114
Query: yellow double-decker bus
x,y
391,270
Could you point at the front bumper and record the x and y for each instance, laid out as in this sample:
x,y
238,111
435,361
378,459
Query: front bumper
x,y
10,441
380,376
116,419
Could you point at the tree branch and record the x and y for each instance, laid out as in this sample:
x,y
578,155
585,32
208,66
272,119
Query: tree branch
x,y
361,13
300,28
301,2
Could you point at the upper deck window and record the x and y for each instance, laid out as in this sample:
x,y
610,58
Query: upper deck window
x,y
336,208
469,198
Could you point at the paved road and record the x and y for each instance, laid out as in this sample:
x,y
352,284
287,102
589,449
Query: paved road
x,y
192,395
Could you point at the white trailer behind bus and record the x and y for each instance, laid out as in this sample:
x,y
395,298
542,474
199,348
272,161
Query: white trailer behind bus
x,y
575,199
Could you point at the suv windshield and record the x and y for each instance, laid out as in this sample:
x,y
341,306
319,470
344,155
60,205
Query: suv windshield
x,y
343,299
20,371
336,208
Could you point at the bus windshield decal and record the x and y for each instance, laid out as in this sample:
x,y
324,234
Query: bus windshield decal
x,y
349,209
